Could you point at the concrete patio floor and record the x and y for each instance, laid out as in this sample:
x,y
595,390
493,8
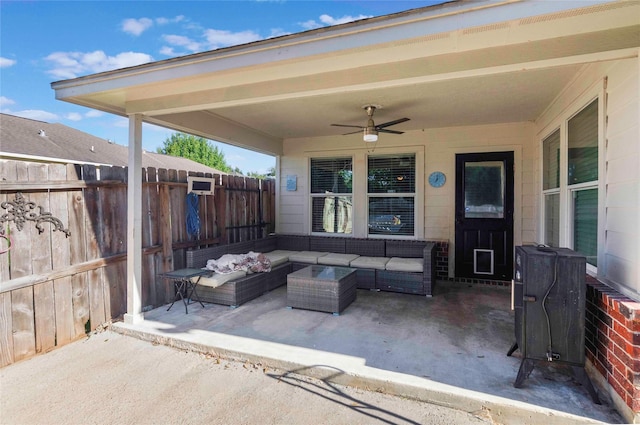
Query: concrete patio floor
x,y
448,350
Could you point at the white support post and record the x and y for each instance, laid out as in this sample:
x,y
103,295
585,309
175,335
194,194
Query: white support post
x,y
134,223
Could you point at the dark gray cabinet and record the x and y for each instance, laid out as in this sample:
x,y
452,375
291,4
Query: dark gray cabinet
x,y
549,295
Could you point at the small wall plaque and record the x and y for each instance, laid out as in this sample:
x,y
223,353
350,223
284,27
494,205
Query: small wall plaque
x,y
292,183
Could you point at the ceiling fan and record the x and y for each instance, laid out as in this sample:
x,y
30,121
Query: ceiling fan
x,y
371,130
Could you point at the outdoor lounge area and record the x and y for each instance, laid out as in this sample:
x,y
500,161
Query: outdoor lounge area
x,y
449,349
381,264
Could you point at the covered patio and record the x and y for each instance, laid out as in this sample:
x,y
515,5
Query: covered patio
x,y
448,350
506,83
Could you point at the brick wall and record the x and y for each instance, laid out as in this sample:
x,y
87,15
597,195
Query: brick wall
x,y
612,340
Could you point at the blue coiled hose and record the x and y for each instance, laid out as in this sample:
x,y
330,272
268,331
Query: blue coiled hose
x,y
193,218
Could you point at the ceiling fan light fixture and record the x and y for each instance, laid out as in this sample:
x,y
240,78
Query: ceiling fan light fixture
x,y
370,134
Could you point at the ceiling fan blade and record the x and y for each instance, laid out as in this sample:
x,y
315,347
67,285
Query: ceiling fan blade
x,y
352,132
347,125
390,123
384,130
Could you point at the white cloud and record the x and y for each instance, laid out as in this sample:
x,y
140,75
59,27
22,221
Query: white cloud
x,y
165,21
5,101
35,114
277,32
310,24
136,26
222,38
328,20
6,62
72,64
94,114
73,116
168,51
182,41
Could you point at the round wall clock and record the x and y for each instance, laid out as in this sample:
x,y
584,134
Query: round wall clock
x,y
437,179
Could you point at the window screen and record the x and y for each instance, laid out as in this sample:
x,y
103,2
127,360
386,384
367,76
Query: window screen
x,y
583,145
585,224
552,220
551,161
331,195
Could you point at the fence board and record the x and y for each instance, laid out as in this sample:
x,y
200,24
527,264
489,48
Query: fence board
x,y
116,284
60,243
93,230
6,330
76,208
45,316
62,291
96,297
114,204
9,172
40,242
22,317
80,301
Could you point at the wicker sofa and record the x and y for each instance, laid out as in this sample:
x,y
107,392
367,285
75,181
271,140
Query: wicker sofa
x,y
405,266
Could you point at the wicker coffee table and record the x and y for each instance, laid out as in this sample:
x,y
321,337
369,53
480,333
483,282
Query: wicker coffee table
x,y
321,288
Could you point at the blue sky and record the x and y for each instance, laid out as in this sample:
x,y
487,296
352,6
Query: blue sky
x,y
46,41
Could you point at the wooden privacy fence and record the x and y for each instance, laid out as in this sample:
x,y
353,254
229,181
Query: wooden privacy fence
x,y
70,278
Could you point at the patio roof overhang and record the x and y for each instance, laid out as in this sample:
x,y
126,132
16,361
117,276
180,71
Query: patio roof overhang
x,y
460,63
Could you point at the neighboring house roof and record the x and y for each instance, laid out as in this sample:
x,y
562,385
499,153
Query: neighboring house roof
x,y
25,138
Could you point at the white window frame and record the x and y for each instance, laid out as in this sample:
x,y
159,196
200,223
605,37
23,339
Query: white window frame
x,y
417,175
567,191
324,195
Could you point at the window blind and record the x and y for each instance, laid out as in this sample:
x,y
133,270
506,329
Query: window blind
x,y
552,220
331,195
585,224
551,161
583,145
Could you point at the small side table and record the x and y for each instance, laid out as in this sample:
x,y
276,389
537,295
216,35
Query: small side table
x,y
184,286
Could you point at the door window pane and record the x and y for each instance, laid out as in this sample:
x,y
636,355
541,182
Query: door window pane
x,y
583,145
585,224
484,184
552,220
551,161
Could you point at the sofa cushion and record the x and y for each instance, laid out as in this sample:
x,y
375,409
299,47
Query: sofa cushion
x,y
333,259
279,256
376,263
217,279
405,264
310,257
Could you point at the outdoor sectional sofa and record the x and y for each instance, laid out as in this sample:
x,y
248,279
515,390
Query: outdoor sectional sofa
x,y
406,266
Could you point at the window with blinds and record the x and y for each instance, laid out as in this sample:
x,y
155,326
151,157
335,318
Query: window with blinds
x,y
582,141
332,195
391,187
574,155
